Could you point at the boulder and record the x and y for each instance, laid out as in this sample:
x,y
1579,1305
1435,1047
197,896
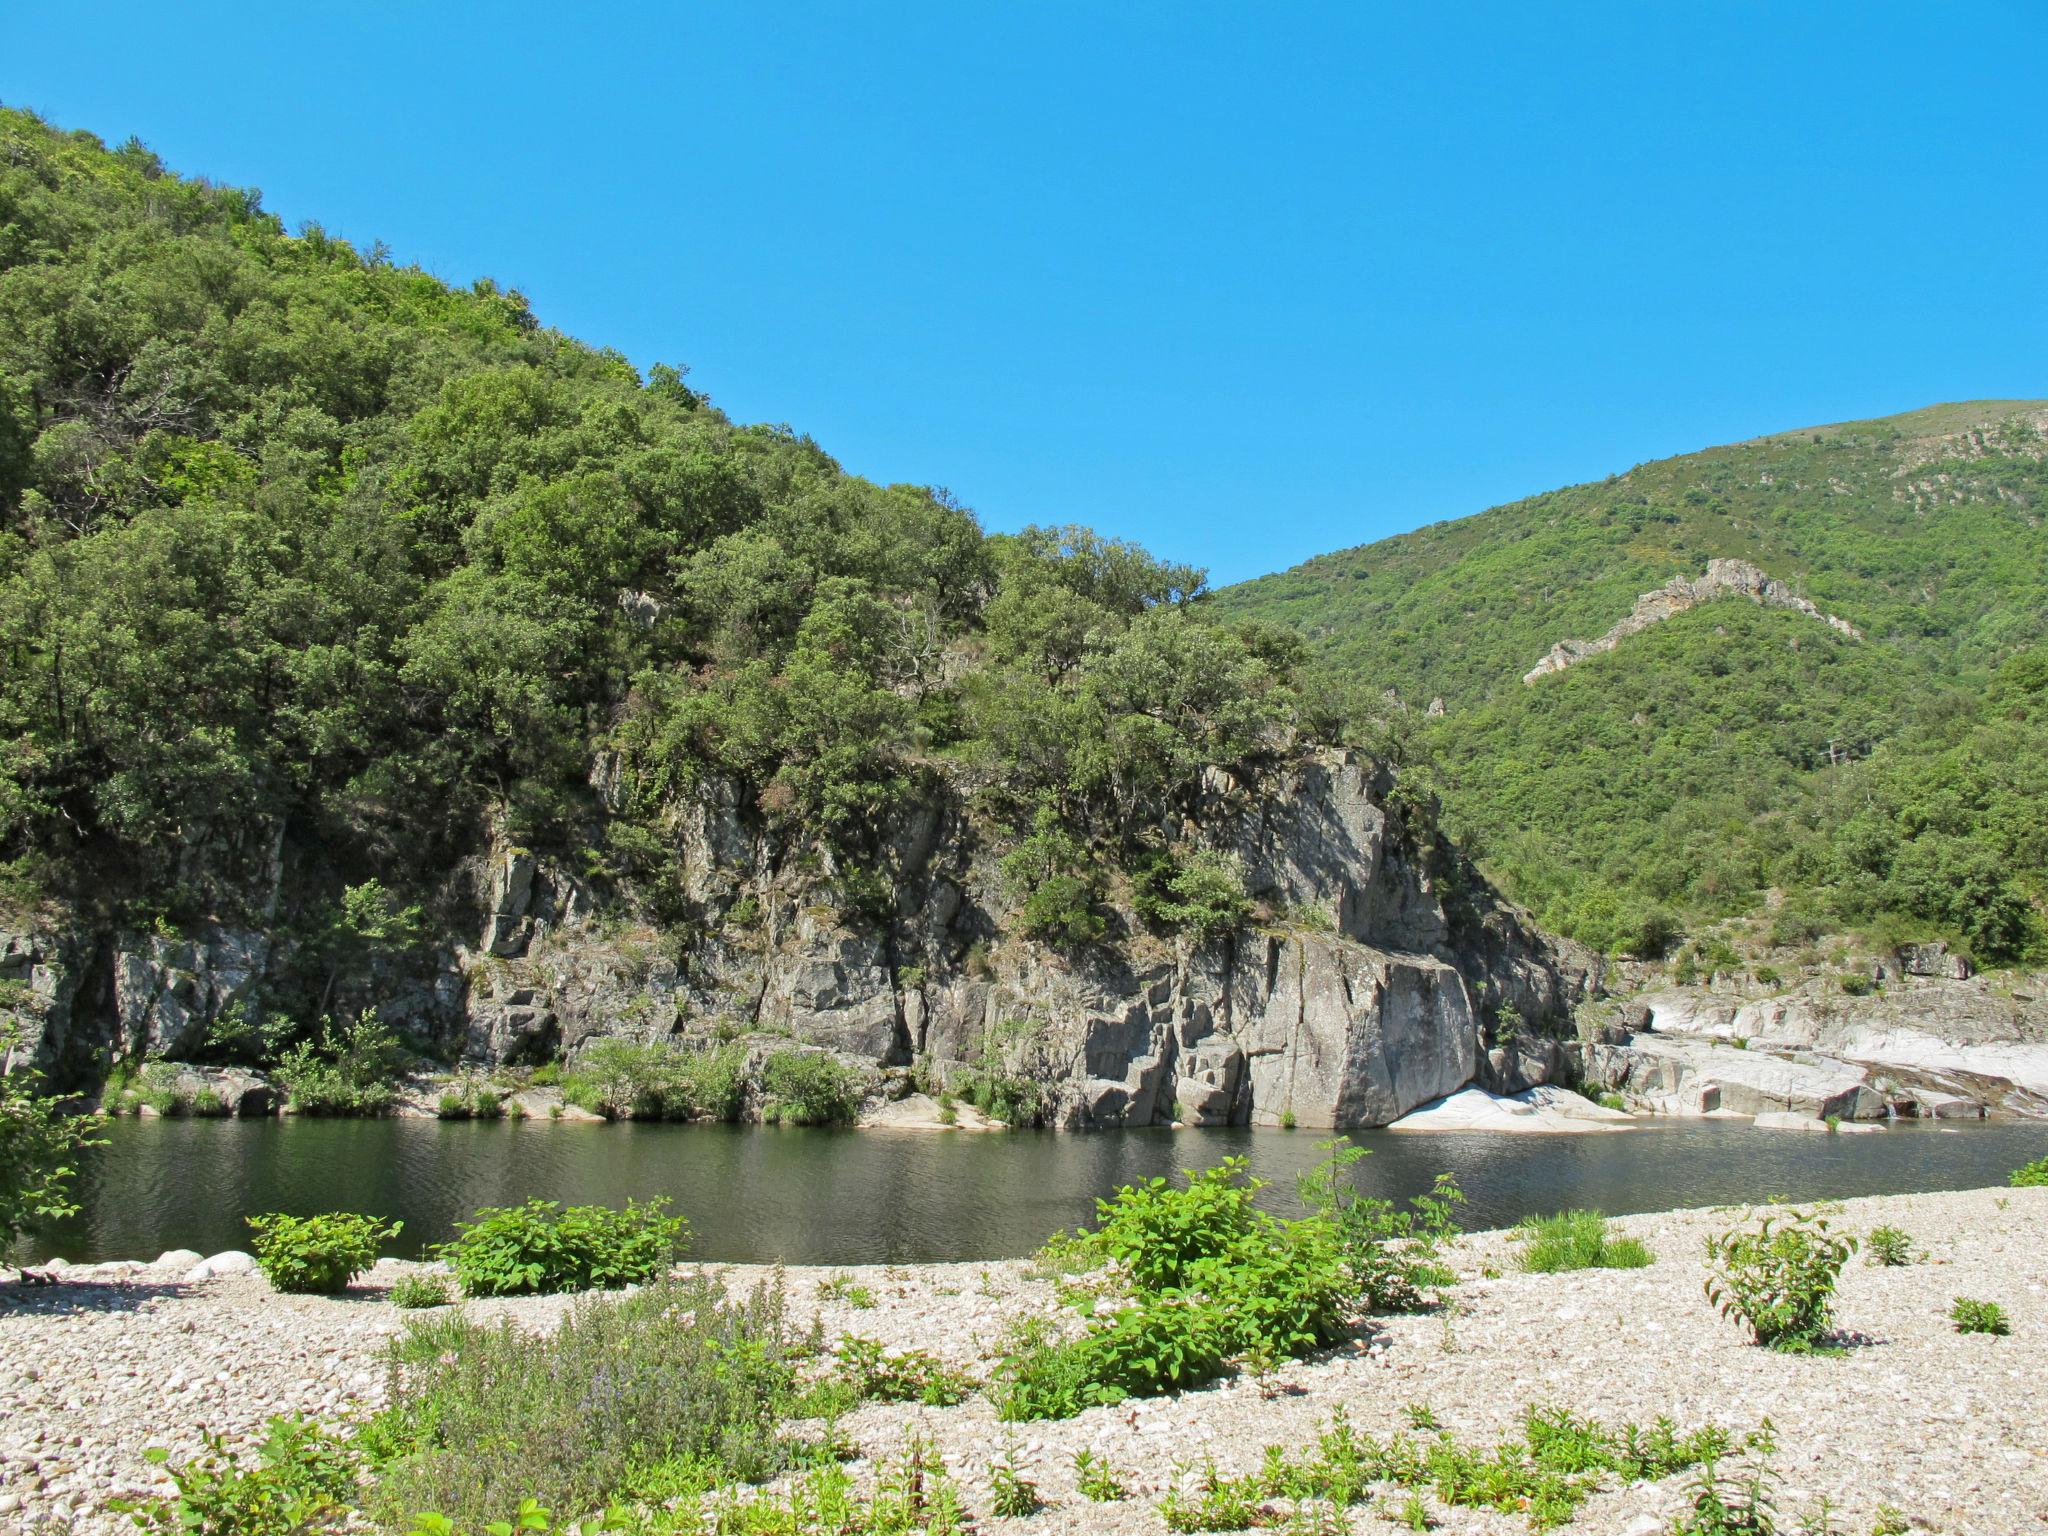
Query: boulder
x,y
176,1258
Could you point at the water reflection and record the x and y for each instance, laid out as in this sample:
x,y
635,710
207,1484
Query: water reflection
x,y
847,1197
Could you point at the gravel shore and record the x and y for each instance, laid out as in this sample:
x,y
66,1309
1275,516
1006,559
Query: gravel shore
x,y
1950,1429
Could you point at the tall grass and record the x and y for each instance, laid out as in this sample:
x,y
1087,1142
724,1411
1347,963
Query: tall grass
x,y
1575,1240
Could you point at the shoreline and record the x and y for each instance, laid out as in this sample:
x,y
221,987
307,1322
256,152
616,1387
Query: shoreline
x,y
99,1367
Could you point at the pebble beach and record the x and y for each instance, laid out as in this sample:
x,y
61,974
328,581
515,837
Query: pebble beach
x,y
1949,1429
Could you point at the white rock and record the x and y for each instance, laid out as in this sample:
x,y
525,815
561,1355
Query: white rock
x,y
232,1262
177,1258
1789,1120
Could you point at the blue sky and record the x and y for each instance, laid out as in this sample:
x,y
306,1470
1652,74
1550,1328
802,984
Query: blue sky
x,y
1245,283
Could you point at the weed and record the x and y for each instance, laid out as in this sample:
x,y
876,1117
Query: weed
x,y
1889,1247
1389,1253
1575,1240
1780,1278
415,1293
2030,1175
1972,1316
1012,1495
907,1376
1096,1478
843,1287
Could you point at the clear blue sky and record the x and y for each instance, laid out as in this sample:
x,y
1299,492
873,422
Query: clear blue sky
x,y
1244,282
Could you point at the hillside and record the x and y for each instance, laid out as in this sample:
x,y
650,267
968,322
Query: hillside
x,y
378,658
1731,757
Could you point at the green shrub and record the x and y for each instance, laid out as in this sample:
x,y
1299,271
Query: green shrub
x,y
351,1070
1390,1253
1971,1316
417,1293
1575,1240
318,1254
301,1479
208,1104
2030,1175
808,1088
543,1247
39,1145
675,1387
1212,1278
470,1098
843,1287
1201,892
1888,1246
157,1088
1779,1279
1612,1101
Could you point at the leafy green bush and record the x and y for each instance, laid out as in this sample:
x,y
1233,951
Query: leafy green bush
x,y
1390,1253
1972,1316
1096,1478
1211,1277
1049,873
39,1145
318,1254
2030,1175
351,1070
1575,1240
301,1479
1780,1278
808,1088
157,1088
658,1080
543,1247
1888,1246
1201,892
416,1293
674,1386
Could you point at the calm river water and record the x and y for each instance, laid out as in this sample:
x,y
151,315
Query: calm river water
x,y
854,1197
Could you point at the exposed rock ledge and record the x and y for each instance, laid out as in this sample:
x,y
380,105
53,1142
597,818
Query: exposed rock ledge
x,y
1724,578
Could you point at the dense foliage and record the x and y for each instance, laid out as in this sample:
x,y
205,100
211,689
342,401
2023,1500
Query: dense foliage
x,y
1892,784
39,1144
1575,1240
543,1247
1779,1278
318,1255
1208,1278
314,570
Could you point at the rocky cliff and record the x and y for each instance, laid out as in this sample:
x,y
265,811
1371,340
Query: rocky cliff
x,y
1377,972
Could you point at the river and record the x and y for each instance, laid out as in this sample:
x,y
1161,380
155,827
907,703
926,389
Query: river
x,y
756,1194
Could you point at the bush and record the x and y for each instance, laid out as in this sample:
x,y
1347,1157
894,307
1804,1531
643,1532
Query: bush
x,y
351,1070
1390,1254
808,1088
416,1293
2032,1175
1212,1278
660,1080
300,1480
1202,893
38,1147
541,1247
1971,1316
318,1255
1888,1246
1779,1279
676,1387
470,1098
1575,1240
157,1088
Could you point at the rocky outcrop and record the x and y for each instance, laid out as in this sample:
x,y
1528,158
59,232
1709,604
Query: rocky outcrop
x,y
1723,578
1352,997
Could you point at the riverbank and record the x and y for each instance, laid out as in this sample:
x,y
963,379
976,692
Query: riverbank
x,y
1950,1429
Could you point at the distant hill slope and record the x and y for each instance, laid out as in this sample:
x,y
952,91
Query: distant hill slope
x,y
1730,750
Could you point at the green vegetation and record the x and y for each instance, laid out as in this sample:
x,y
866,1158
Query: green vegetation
x,y
904,1376
1886,785
1209,1278
670,1390
300,1478
350,1069
808,1088
843,1287
39,1147
296,540
470,1098
1575,1240
2032,1175
1888,1247
542,1247
663,1080
1390,1255
1011,1494
417,1293
1971,1316
318,1255
1780,1278
1096,1478
1557,1462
